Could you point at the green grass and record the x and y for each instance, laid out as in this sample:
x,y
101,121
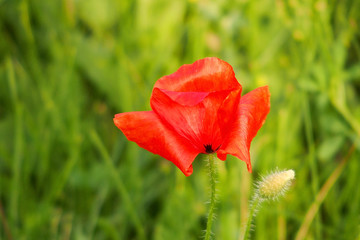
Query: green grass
x,y
66,67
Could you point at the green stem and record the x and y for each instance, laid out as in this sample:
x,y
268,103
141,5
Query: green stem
x,y
213,177
254,206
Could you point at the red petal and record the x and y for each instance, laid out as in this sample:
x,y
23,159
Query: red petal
x,y
147,130
204,75
253,110
195,115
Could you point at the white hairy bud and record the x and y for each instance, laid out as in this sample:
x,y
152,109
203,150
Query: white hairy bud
x,y
275,184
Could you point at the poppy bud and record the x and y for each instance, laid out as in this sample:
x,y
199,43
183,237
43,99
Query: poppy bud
x,y
270,187
275,184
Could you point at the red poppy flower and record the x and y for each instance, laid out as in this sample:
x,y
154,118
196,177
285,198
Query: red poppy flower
x,y
198,109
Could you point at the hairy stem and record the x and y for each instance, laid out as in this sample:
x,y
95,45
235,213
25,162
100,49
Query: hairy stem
x,y
253,209
213,179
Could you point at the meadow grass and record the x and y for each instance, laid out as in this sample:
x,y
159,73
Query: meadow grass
x,y
66,67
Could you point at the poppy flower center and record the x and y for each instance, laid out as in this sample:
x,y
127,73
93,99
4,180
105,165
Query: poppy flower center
x,y
209,149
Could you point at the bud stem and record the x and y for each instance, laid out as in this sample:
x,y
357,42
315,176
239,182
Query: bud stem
x,y
213,179
253,209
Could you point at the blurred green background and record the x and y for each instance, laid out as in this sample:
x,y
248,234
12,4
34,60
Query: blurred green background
x,y
66,67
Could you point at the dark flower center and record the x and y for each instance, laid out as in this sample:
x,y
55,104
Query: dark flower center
x,y
209,149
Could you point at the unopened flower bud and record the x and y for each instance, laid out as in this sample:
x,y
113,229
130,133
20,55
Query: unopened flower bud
x,y
275,184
